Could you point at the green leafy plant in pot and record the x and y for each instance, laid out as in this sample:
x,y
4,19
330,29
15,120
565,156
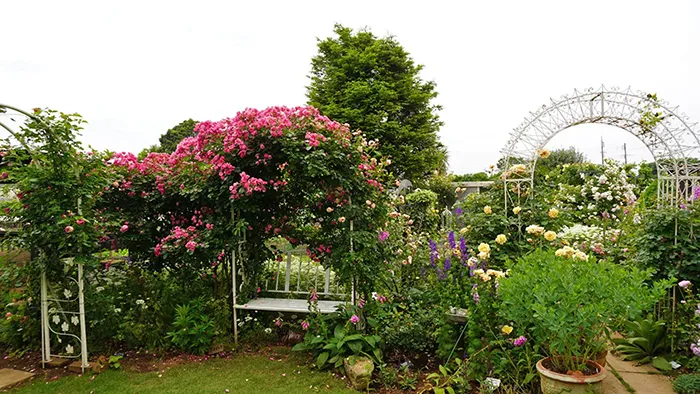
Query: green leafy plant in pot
x,y
565,301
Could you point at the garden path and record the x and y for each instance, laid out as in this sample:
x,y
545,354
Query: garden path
x,y
643,379
11,377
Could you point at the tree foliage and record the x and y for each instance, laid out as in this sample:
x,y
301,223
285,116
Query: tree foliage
x,y
372,84
172,137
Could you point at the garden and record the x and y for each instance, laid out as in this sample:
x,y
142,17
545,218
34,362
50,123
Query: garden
x,y
183,271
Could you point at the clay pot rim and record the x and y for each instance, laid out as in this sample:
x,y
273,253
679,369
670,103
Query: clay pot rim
x,y
602,373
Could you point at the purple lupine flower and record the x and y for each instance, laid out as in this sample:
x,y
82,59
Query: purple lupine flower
x,y
383,236
463,248
433,252
451,240
448,264
422,272
476,298
519,341
458,212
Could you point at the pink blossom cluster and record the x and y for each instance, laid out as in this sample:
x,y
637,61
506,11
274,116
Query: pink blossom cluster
x,y
314,139
249,184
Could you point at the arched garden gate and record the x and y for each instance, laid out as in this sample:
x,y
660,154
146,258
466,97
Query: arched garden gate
x,y
668,134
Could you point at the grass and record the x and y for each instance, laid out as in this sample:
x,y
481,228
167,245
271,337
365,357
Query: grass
x,y
243,373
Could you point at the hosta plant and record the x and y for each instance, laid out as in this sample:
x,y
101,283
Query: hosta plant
x,y
646,339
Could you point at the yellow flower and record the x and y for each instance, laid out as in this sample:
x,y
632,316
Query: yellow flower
x,y
550,236
565,242
507,329
463,230
329,209
500,239
534,229
478,272
579,255
484,247
484,255
544,153
553,213
341,219
485,277
517,210
487,210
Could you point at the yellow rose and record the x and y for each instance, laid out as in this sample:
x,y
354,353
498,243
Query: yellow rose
x,y
507,329
544,153
484,255
487,210
463,230
517,210
485,277
564,242
484,247
500,239
553,213
478,272
550,236
580,256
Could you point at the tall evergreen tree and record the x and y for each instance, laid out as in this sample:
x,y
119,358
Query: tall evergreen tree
x,y
373,85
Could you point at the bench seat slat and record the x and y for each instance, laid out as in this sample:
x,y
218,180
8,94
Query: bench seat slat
x,y
288,305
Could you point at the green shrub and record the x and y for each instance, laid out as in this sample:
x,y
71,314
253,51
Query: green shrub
x,y
687,384
421,206
193,330
567,304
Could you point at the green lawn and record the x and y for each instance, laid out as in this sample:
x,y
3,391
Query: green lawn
x,y
243,373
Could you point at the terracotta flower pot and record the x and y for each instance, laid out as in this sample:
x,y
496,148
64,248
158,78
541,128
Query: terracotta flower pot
x,y
557,383
600,358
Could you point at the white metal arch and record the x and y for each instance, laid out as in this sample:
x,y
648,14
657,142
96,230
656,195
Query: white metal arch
x,y
668,134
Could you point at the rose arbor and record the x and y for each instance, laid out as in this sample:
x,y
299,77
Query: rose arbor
x,y
279,172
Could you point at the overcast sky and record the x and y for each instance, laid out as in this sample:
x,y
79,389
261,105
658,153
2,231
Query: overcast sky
x,y
134,69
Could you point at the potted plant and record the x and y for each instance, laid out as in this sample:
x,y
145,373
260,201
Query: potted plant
x,y
566,301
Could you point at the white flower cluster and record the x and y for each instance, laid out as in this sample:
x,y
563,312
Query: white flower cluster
x,y
604,196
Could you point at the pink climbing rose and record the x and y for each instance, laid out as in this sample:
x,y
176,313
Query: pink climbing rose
x,y
191,245
124,228
69,229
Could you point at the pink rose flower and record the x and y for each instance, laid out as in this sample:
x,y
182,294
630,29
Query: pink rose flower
x,y
80,221
69,229
124,228
684,284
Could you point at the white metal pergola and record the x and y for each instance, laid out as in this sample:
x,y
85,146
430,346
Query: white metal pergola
x,y
667,133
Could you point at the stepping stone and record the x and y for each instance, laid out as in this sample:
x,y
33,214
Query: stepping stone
x,y
76,367
58,362
11,377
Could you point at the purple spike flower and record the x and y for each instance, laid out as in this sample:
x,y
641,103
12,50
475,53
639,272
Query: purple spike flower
x,y
433,252
448,264
451,239
463,248
458,212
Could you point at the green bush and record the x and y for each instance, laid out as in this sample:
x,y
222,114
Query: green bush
x,y
193,330
567,304
687,384
421,206
666,242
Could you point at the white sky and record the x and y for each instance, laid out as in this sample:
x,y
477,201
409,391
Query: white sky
x,y
134,69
